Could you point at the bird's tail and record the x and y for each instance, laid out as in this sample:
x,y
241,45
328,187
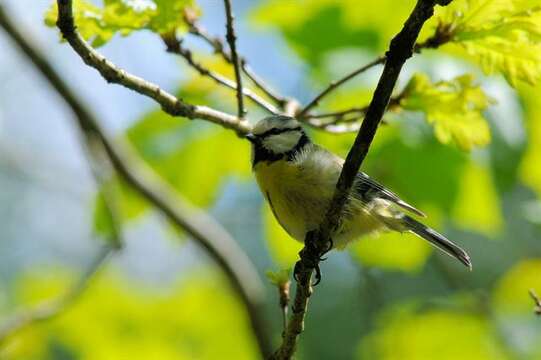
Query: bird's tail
x,y
438,240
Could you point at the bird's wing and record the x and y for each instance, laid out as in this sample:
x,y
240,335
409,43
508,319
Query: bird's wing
x,y
364,186
370,189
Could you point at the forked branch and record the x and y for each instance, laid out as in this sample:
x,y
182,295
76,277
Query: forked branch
x,y
112,73
218,46
174,46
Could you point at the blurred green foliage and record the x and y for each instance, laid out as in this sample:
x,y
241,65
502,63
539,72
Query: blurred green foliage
x,y
421,306
120,319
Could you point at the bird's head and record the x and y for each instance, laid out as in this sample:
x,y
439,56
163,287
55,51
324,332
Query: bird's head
x,y
277,136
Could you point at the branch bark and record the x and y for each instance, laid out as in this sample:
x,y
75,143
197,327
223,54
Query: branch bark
x,y
113,74
537,302
316,242
209,234
232,41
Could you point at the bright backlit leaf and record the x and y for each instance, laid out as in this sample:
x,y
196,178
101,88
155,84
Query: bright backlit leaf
x,y
511,294
501,36
100,24
454,108
530,169
407,334
311,26
478,205
283,249
119,318
392,251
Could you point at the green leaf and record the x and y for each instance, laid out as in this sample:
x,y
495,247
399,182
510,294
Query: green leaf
x,y
284,250
311,26
453,107
511,293
478,205
130,206
194,157
498,35
100,24
418,335
530,171
392,251
123,318
279,277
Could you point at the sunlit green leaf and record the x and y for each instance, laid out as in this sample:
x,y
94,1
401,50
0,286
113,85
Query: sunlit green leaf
x,y
499,35
100,24
511,294
311,27
453,107
407,334
282,247
195,158
279,277
478,205
530,170
392,251
117,318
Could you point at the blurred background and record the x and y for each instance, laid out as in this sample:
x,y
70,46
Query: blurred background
x,y
160,297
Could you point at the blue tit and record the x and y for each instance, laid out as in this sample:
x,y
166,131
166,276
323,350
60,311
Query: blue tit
x,y
298,179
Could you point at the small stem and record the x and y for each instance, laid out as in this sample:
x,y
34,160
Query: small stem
x,y
174,46
335,84
537,302
232,41
283,290
217,44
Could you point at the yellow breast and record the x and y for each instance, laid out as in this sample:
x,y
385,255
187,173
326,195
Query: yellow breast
x,y
279,183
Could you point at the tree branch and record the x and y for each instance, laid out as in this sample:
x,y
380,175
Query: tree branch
x,y
217,44
537,302
209,234
174,46
113,74
316,242
232,41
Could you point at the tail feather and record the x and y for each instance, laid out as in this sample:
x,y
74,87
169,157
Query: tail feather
x,y
438,240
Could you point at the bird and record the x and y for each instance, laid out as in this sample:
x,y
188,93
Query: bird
x,y
298,179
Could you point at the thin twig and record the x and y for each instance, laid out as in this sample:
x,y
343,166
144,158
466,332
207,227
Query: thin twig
x,y
48,309
232,41
335,84
174,46
444,33
218,46
537,302
202,228
113,74
316,242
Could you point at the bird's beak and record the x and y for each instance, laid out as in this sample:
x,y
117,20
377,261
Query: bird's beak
x,y
251,138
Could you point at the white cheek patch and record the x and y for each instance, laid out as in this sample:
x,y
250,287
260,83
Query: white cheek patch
x,y
282,143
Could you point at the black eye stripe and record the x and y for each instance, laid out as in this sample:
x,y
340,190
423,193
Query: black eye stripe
x,y
277,131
